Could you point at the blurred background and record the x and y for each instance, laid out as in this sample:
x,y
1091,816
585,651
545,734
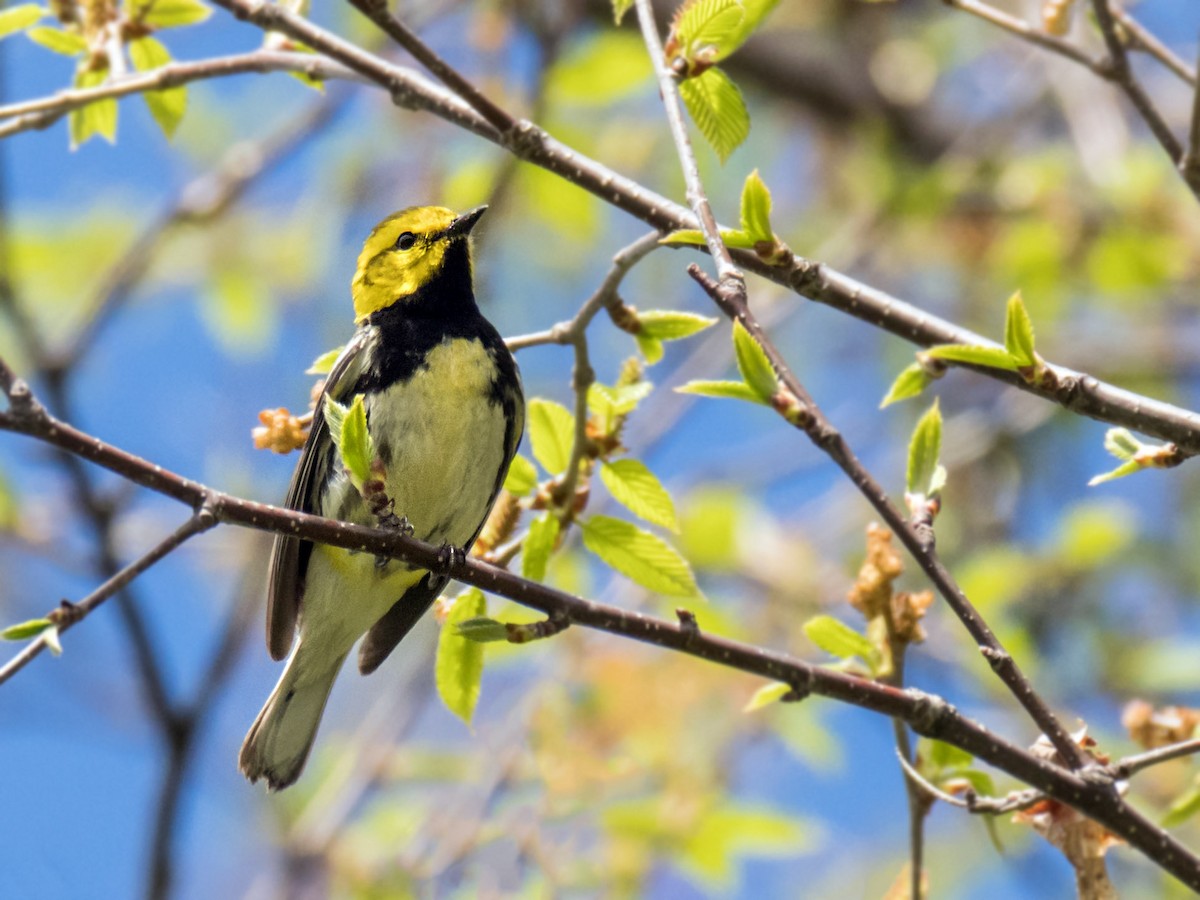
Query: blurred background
x,y
908,144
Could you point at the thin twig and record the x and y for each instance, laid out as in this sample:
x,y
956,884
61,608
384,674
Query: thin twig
x,y
1141,38
377,12
927,715
72,614
1126,767
45,111
1189,166
1075,391
970,801
1029,33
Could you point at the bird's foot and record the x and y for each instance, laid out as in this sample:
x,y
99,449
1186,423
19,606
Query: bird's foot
x,y
391,522
449,556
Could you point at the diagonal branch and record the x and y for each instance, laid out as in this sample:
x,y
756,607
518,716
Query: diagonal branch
x,y
928,715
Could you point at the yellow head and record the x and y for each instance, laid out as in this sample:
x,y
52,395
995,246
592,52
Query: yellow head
x,y
406,252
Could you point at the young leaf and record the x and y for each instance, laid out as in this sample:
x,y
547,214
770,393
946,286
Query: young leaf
x,y
1185,806
752,362
945,756
1125,468
521,477
755,12
766,695
167,106
354,442
619,400
171,13
620,7
734,238
716,106
459,668
1018,332
539,544
838,639
18,18
552,434
701,27
1121,443
68,43
637,489
671,326
323,364
923,452
639,555
756,209
24,630
733,390
909,383
992,357
482,630
99,117
652,349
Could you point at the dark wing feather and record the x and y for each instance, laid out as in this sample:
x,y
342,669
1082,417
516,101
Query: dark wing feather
x,y
289,558
398,621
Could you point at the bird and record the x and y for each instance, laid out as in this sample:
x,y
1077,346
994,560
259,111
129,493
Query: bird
x,y
445,412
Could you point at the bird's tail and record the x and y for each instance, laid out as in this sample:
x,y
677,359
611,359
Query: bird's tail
x,y
280,739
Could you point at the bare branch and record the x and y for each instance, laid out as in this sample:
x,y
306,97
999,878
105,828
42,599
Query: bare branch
x,y
70,614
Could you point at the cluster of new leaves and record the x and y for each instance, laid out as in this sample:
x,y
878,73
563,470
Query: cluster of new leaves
x,y
755,232
104,38
703,33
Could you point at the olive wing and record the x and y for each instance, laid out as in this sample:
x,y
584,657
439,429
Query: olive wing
x,y
289,557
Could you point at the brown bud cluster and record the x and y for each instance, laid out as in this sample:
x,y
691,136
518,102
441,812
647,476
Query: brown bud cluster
x,y
873,593
281,431
1152,728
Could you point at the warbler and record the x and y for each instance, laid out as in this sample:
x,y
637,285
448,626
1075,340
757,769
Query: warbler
x,y
445,412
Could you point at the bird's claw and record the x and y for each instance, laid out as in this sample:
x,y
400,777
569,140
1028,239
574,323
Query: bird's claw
x,y
449,556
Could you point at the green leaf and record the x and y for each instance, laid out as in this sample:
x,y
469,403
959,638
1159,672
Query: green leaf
x,y
637,489
733,390
717,108
551,433
923,452
18,18
766,695
68,43
539,544
752,362
620,7
941,755
702,27
99,117
991,357
639,555
348,430
1186,806
603,69
24,630
671,326
355,445
482,630
521,477
167,106
1127,468
756,209
323,364
838,639
1121,443
171,13
909,383
459,667
755,12
733,237
652,348
1018,332
620,400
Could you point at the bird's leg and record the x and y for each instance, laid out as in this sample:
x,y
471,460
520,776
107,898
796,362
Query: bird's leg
x,y
449,556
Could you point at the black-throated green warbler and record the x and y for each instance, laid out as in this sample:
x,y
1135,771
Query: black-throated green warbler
x,y
445,413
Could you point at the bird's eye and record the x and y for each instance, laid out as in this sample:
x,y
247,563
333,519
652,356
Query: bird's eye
x,y
406,241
